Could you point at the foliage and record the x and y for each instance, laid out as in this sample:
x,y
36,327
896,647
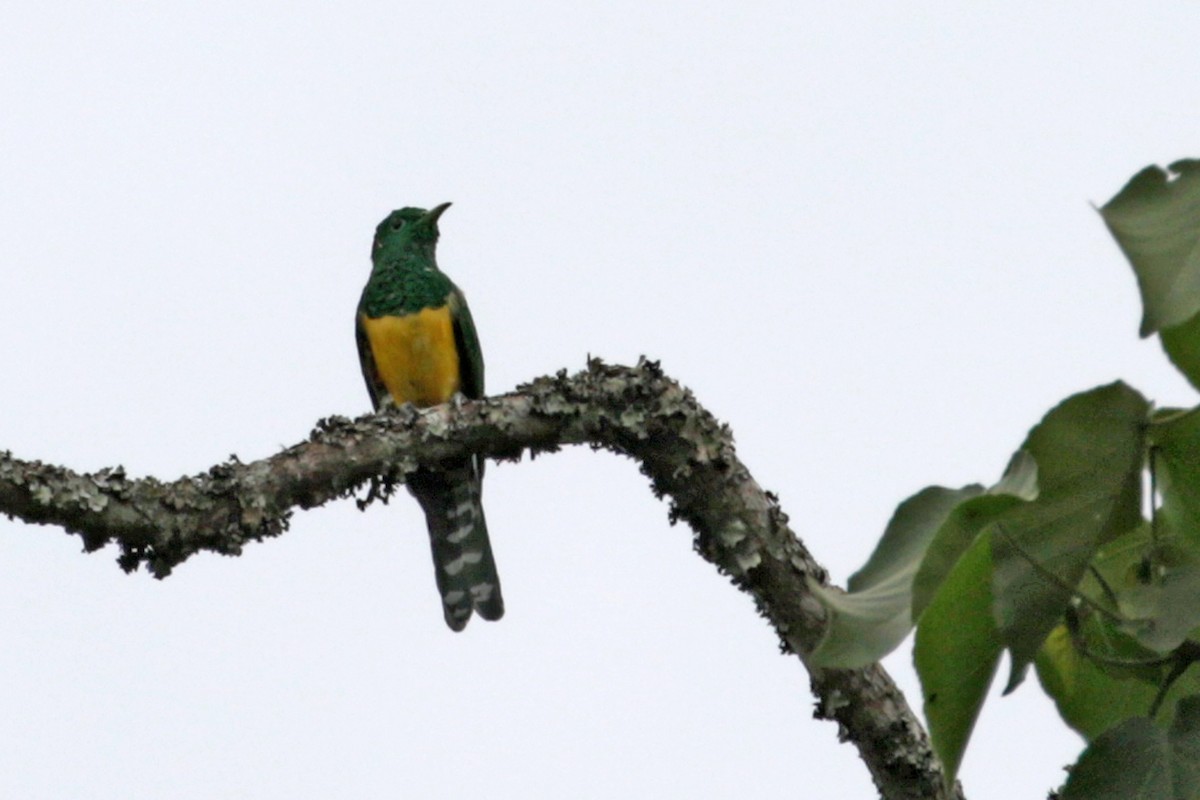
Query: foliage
x,y
1138,760
1063,563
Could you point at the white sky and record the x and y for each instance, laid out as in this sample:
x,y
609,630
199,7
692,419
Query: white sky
x,y
859,231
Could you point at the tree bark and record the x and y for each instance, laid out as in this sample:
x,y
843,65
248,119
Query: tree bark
x,y
688,456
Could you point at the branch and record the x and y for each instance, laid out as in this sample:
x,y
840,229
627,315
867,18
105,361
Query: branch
x,y
688,456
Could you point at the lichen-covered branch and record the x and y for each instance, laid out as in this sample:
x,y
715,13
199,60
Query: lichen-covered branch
x,y
688,456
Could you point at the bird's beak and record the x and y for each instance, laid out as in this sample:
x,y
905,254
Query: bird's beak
x,y
431,216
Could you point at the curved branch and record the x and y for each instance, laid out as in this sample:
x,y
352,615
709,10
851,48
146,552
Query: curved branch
x,y
688,456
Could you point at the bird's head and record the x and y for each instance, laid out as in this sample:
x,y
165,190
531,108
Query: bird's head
x,y
407,231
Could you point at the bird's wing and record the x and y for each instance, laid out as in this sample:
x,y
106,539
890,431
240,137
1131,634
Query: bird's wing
x,y
470,357
366,360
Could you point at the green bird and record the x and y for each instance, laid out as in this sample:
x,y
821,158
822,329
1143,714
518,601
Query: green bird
x,y
417,344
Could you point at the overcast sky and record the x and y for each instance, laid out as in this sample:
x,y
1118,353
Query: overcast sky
x,y
860,232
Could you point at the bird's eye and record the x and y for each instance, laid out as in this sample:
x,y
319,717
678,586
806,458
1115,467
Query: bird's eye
x,y
397,224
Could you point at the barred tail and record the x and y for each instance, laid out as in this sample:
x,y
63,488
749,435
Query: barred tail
x,y
462,555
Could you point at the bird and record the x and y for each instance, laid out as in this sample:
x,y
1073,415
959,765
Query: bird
x,y
417,344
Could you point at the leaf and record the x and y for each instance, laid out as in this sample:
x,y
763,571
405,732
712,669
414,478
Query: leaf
x,y
1110,680
1154,220
1175,438
954,538
1182,345
1161,605
1137,760
1154,581
874,617
1092,697
908,533
1089,452
863,626
956,653
1020,477
927,534
965,522
1088,698
1159,571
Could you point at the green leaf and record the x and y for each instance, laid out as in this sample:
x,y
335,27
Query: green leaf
x,y
863,626
1175,438
956,653
1154,582
1137,760
1020,477
1155,222
1089,697
1182,345
1110,678
1089,452
874,617
954,538
908,533
1156,574
1161,605
965,522
876,614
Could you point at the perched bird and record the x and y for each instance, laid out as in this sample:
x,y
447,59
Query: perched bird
x,y
417,344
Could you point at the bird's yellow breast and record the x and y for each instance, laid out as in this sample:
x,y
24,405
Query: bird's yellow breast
x,y
415,355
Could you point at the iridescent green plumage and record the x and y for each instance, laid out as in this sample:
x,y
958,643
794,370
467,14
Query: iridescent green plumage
x,y
405,277
417,343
